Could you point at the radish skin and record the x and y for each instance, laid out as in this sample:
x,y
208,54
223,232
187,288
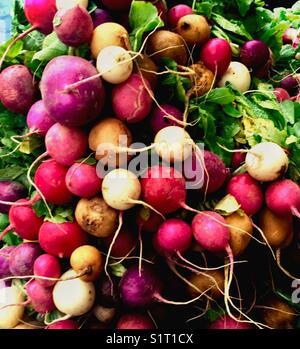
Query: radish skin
x,y
11,315
238,75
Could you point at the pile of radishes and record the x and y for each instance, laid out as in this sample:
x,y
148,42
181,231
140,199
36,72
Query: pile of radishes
x,y
137,247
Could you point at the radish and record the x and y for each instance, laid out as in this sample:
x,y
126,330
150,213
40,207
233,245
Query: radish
x,y
289,83
47,266
22,258
10,191
103,314
148,220
63,325
283,197
135,321
73,26
73,297
66,4
247,192
123,245
194,29
18,91
177,12
82,180
117,5
160,119
121,189
173,236
216,55
254,54
24,221
263,167
238,158
11,307
114,64
281,94
61,239
40,14
131,100
290,35
66,144
4,261
67,100
40,297
38,119
238,75
50,179
227,323
101,16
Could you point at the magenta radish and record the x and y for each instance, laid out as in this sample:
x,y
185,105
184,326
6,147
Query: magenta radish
x,y
61,239
22,258
66,99
24,221
176,12
18,91
50,179
173,236
66,144
38,119
131,101
73,26
290,35
247,192
82,180
289,83
47,266
40,297
216,172
123,245
148,220
227,323
216,55
283,197
281,94
63,325
254,54
10,192
160,119
101,16
135,321
238,158
4,261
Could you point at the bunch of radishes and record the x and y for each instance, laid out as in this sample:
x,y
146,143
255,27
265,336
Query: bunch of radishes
x,y
90,104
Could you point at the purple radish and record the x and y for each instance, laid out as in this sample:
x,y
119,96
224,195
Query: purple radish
x,y
47,266
40,297
38,119
101,16
4,261
10,192
289,83
160,119
22,258
254,54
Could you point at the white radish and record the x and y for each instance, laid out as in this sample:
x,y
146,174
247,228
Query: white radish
x,y
238,75
73,297
266,162
120,188
67,4
173,144
10,315
115,64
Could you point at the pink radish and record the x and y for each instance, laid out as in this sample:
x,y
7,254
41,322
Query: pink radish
x,y
63,325
38,119
176,12
40,297
281,94
61,239
159,118
47,266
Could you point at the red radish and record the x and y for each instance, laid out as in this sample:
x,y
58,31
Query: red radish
x,y
24,221
22,258
40,14
163,188
82,180
281,94
247,192
117,5
67,99
296,42
289,83
160,119
123,245
216,55
73,26
50,179
176,12
63,325
4,262
227,323
38,119
135,321
18,91
131,100
40,297
101,16
238,158
290,35
216,172
254,54
66,144
283,197
47,266
61,239
174,235
147,220
10,192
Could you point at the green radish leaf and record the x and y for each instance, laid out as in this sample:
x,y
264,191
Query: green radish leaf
x,y
52,316
12,239
220,95
29,145
88,161
227,205
236,27
244,6
52,47
11,173
19,284
288,111
143,18
4,221
118,270
230,110
213,314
